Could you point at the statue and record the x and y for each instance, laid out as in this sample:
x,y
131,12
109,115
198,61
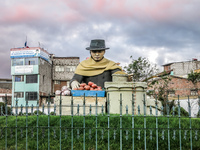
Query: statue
x,y
96,68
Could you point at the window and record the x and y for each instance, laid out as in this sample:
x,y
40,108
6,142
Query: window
x,y
19,78
19,94
169,67
31,61
194,92
32,78
59,68
17,62
73,68
171,92
31,96
56,82
43,77
67,69
70,68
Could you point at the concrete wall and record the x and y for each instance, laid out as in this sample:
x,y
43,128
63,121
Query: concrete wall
x,y
113,108
45,75
183,68
64,62
181,86
67,109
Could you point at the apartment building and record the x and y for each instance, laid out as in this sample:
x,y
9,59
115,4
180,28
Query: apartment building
x,y
182,69
31,70
178,84
6,90
63,69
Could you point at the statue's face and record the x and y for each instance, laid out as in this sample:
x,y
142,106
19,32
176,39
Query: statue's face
x,y
97,55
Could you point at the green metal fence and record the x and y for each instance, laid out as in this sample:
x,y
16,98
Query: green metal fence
x,y
44,129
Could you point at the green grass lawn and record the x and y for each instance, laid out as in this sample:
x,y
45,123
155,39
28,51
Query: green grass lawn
x,y
118,132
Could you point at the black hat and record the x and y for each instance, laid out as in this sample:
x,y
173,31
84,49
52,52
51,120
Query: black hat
x,y
97,44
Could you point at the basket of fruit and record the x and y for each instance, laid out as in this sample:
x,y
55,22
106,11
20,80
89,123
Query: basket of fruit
x,y
90,89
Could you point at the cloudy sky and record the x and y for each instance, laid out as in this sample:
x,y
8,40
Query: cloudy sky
x,y
163,31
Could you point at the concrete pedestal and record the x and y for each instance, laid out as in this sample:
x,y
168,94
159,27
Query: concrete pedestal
x,y
126,90
66,106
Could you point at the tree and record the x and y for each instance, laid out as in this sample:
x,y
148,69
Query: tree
x,y
160,91
141,69
194,77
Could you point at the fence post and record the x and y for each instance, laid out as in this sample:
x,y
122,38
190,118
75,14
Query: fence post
x,y
16,112
60,119
48,122
21,109
144,101
72,125
156,123
37,122
133,120
179,118
108,109
168,123
189,109
120,121
6,122
96,119
199,107
84,122
26,124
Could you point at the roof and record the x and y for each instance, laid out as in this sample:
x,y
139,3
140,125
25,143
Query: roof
x,y
180,62
164,73
65,57
5,80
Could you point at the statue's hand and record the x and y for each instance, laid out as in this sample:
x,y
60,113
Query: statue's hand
x,y
75,84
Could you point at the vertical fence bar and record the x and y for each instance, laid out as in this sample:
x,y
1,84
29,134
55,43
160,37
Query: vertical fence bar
x,y
16,112
96,119
199,107
168,124
26,124
108,105
179,119
6,122
133,109
60,119
72,125
145,144
84,122
120,121
189,107
48,122
37,123
156,123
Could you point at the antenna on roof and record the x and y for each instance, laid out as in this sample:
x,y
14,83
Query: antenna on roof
x,y
25,44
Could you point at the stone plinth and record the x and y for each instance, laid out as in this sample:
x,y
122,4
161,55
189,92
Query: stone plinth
x,y
127,91
66,108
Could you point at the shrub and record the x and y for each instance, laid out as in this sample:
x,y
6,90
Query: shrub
x,y
183,112
3,110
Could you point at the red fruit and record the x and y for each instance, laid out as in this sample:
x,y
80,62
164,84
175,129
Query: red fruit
x,y
99,87
83,84
95,89
75,89
90,83
91,89
94,85
87,87
81,88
